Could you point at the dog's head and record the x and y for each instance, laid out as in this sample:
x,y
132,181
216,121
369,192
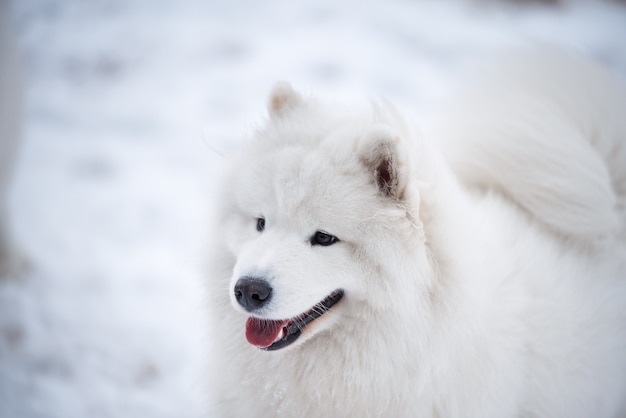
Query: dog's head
x,y
320,216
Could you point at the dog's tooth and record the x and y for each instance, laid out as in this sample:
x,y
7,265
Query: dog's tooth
x,y
281,334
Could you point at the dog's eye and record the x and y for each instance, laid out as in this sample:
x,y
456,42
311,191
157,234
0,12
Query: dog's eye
x,y
260,224
323,239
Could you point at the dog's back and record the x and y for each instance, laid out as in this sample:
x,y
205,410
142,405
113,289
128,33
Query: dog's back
x,y
546,130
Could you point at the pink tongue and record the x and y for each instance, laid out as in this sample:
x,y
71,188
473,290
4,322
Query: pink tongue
x,y
262,332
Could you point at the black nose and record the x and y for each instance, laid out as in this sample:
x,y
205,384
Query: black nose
x,y
252,293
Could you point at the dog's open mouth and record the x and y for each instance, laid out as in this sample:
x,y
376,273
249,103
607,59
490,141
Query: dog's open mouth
x,y
276,334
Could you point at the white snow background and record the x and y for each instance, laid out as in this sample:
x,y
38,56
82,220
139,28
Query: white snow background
x,y
129,102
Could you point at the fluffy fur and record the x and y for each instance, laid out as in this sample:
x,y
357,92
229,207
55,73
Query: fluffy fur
x,y
482,260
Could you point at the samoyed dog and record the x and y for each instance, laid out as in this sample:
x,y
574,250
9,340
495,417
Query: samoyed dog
x,y
473,268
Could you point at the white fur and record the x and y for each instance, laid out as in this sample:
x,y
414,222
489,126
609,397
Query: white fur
x,y
484,279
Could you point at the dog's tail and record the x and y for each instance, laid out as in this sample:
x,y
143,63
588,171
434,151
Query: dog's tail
x,y
548,130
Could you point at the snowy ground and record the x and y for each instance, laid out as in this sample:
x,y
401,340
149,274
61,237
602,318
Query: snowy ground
x,y
129,103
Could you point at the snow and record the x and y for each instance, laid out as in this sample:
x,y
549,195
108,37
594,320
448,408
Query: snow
x,y
129,104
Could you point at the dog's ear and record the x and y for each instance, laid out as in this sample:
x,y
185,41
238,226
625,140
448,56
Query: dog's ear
x,y
382,152
282,98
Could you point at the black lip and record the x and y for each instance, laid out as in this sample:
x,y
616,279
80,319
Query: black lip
x,y
295,327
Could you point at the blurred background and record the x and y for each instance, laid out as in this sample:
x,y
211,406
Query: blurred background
x,y
114,115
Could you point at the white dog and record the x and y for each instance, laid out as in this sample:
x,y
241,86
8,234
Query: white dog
x,y
479,270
